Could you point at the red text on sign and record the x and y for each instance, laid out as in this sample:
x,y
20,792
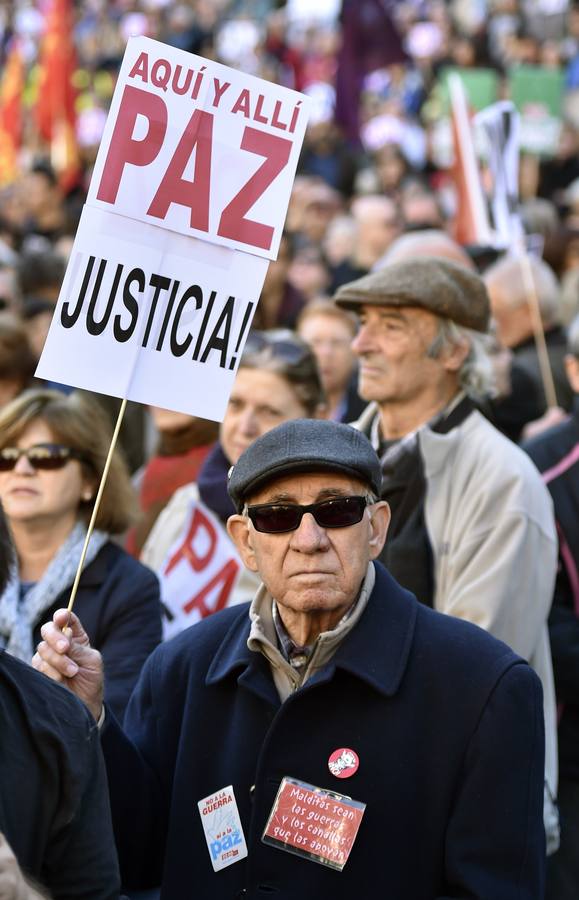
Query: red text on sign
x,y
123,149
223,580
195,194
233,223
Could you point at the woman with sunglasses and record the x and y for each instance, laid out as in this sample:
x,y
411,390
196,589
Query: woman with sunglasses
x,y
53,449
197,564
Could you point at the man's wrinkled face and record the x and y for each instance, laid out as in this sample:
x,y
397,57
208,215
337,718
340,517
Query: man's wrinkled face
x,y
312,569
393,344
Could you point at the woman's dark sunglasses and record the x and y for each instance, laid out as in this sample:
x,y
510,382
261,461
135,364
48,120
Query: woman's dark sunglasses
x,y
274,518
281,344
42,456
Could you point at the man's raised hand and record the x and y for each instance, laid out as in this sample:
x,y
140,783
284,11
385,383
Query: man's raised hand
x,y
66,656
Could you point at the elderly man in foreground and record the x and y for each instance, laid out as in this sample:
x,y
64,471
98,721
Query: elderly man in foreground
x,y
336,738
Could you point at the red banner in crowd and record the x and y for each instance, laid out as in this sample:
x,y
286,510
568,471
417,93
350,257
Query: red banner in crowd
x,y
55,108
11,89
471,219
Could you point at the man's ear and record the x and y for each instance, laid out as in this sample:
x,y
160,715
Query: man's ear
x,y
454,355
238,531
379,522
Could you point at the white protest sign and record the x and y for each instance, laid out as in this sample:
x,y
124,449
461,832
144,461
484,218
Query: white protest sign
x,y
500,124
199,573
199,148
151,315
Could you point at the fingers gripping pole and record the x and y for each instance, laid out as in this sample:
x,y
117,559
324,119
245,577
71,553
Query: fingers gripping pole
x,y
97,504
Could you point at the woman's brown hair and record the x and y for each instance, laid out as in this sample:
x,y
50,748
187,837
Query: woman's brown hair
x,y
77,421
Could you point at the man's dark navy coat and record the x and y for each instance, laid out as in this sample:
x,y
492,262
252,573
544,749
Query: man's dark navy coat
x,y
446,721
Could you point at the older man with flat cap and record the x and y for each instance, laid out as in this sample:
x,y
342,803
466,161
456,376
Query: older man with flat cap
x,y
472,531
336,739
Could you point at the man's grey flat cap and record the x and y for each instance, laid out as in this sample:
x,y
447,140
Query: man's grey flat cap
x,y
443,287
304,445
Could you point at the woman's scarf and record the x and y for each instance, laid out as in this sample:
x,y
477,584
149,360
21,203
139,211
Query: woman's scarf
x,y
212,483
18,617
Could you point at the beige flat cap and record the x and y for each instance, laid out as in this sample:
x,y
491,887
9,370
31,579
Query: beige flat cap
x,y
438,285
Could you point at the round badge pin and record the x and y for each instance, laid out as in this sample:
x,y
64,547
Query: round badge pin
x,y
343,763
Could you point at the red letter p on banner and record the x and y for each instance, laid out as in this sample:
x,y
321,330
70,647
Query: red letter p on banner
x,y
123,148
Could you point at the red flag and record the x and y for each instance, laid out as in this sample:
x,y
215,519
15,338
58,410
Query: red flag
x,y
11,88
471,225
55,108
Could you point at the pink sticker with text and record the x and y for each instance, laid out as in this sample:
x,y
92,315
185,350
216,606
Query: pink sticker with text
x,y
315,823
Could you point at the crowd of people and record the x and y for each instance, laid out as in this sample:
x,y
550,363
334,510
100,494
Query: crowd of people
x,y
392,434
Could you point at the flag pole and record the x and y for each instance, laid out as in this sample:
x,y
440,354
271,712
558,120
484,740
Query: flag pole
x,y
97,503
538,329
473,218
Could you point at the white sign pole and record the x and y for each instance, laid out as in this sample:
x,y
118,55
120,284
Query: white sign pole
x,y
97,504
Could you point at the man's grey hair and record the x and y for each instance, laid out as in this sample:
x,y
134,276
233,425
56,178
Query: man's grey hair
x,y
540,216
476,375
508,273
573,337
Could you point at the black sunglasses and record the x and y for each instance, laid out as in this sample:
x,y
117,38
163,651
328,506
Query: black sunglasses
x,y
47,457
274,518
280,343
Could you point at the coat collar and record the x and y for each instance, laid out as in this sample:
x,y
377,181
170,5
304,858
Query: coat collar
x,y
376,650
233,654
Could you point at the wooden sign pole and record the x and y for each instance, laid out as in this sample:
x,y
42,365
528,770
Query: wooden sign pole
x,y
538,331
97,503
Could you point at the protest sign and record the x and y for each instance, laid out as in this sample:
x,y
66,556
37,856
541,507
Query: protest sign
x,y
313,823
537,93
500,124
186,205
199,148
151,315
200,571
